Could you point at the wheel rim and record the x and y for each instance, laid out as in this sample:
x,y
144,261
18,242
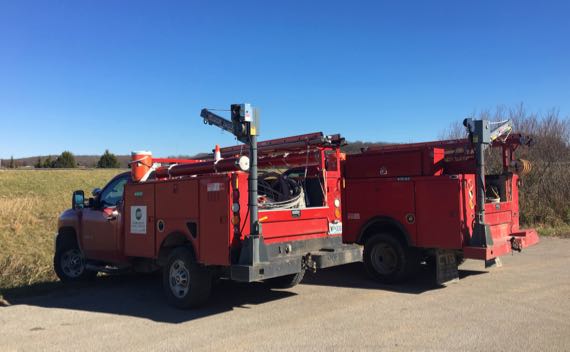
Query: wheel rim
x,y
384,258
179,278
72,263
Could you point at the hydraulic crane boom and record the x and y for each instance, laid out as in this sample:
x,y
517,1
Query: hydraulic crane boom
x,y
481,136
244,125
212,119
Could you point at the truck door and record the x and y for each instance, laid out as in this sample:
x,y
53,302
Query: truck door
x,y
101,224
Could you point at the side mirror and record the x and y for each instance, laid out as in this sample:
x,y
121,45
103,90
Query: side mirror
x,y
96,192
78,200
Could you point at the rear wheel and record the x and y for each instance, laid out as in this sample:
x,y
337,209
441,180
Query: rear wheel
x,y
186,283
69,263
286,281
388,260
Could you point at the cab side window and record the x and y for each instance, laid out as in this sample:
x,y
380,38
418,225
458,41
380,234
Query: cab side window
x,y
113,192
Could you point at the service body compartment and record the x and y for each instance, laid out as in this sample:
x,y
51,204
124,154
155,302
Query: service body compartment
x,y
178,211
438,204
214,228
365,200
139,220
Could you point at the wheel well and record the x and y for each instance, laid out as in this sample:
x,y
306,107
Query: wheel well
x,y
173,240
384,225
65,235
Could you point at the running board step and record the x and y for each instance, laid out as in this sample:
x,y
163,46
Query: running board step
x,y
106,269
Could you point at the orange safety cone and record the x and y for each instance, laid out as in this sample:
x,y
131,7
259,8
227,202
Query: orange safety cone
x,y
217,153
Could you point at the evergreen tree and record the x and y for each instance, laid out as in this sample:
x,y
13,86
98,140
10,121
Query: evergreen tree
x,y
39,164
48,163
108,160
65,160
12,164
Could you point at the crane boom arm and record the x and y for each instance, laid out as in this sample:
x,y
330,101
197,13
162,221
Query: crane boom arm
x,y
212,119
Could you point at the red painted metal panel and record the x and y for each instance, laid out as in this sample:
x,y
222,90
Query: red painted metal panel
x,y
438,213
294,214
297,238
295,227
391,164
101,238
139,220
215,228
178,204
366,199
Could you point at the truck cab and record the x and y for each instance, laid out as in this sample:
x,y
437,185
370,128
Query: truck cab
x,y
91,228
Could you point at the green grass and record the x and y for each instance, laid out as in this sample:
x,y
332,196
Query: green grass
x,y
30,203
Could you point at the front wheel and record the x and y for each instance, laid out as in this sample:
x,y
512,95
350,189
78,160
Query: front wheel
x,y
69,264
186,283
388,260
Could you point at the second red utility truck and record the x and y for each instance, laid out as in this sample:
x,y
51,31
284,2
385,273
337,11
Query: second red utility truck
x,y
434,202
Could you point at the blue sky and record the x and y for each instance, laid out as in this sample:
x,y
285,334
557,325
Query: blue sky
x,y
126,75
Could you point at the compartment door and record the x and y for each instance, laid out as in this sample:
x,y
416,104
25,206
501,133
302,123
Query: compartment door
x,y
214,227
139,220
438,213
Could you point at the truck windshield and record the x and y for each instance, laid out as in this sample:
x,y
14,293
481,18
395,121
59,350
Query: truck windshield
x,y
113,193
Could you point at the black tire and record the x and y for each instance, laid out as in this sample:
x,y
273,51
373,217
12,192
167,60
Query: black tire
x,y
185,283
286,281
388,260
69,263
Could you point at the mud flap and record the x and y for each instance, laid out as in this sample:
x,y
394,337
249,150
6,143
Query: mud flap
x,y
446,267
495,262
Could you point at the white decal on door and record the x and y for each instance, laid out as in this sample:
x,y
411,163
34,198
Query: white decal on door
x,y
138,219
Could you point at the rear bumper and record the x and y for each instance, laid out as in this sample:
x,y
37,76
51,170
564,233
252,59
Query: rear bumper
x,y
515,241
280,266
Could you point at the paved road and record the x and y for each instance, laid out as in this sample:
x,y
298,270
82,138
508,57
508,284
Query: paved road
x,y
525,305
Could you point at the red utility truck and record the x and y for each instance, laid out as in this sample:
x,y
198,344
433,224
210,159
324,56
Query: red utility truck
x,y
268,211
413,202
198,220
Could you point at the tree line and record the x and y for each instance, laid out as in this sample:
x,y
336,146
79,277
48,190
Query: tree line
x,y
66,160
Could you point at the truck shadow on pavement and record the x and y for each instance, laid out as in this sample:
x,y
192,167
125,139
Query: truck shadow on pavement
x,y
142,296
354,276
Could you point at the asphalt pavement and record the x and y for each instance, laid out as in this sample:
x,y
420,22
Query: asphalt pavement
x,y
522,306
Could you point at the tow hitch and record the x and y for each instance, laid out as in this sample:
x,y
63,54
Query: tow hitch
x,y
516,244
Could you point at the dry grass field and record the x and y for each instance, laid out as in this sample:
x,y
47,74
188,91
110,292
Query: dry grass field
x,y
30,203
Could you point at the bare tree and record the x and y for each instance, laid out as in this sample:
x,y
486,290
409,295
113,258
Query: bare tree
x,y
545,194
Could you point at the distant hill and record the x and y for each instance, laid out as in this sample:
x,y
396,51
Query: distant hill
x,y
89,161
